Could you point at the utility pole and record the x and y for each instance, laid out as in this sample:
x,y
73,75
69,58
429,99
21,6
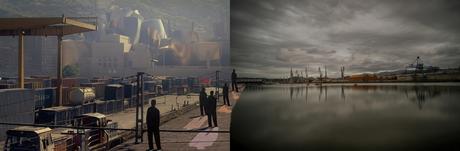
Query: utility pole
x,y
21,59
59,71
139,136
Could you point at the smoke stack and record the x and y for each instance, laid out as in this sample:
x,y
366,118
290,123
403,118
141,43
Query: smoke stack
x,y
320,73
306,72
325,72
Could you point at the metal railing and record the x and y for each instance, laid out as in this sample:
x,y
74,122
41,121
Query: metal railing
x,y
107,128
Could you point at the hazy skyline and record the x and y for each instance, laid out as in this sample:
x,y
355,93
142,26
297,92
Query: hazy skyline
x,y
270,37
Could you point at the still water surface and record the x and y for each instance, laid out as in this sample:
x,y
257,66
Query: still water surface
x,y
422,116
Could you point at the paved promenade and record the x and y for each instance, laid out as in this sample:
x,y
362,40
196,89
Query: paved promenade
x,y
190,120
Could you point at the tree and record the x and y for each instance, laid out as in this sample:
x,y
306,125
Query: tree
x,y
70,70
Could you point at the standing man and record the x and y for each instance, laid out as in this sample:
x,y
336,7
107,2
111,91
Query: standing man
x,y
211,109
153,125
234,85
225,92
203,97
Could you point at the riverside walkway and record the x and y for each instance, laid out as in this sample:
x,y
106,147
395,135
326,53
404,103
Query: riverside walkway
x,y
188,120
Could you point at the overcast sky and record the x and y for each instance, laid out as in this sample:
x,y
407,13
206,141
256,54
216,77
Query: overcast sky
x,y
270,36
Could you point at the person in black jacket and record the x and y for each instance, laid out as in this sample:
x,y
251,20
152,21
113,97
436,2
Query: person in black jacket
x,y
203,97
153,125
225,92
211,109
234,85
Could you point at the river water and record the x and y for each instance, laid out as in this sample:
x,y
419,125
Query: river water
x,y
408,116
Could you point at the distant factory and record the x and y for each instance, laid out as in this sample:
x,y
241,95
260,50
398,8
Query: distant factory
x,y
414,72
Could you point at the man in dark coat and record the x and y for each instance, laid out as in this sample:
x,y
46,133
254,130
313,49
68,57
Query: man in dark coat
x,y
203,97
225,92
211,109
153,125
234,85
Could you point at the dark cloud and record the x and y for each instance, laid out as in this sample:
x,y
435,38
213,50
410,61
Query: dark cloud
x,y
270,36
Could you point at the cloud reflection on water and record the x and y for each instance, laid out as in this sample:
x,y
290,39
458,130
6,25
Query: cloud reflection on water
x,y
297,117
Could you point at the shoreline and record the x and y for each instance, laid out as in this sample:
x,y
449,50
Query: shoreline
x,y
357,82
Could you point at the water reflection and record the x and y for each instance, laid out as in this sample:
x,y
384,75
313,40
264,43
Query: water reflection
x,y
320,93
306,95
416,93
341,117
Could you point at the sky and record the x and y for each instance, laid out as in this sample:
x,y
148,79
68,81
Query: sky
x,y
269,37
